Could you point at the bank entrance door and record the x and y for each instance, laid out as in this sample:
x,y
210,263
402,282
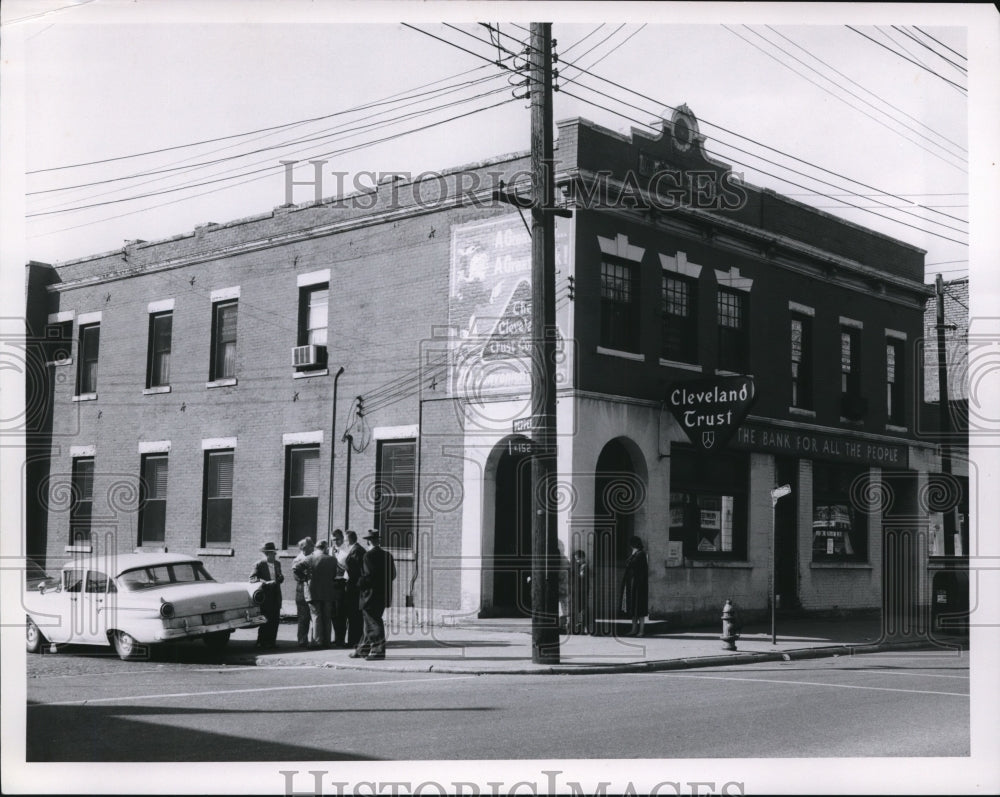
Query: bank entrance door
x,y
511,560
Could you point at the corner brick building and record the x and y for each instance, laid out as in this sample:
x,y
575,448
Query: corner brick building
x,y
192,397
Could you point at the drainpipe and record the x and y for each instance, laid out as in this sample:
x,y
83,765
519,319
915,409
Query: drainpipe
x,y
416,508
347,483
333,444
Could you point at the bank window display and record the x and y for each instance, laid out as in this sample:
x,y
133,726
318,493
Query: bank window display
x,y
708,503
839,527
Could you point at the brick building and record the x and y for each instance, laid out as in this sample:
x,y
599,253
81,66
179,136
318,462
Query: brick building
x,y
194,400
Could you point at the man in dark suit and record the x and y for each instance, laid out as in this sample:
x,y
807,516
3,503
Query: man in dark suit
x,y
267,572
377,574
353,564
318,592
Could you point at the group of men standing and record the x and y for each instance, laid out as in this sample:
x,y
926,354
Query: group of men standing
x,y
341,588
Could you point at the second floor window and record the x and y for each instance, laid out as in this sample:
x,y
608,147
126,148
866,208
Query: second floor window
x,y
158,365
732,319
894,381
680,319
314,305
223,364
90,340
619,307
802,362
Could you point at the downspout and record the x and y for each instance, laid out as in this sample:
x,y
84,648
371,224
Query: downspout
x,y
333,445
347,483
416,509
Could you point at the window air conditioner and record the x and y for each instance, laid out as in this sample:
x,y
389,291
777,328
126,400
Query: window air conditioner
x,y
308,356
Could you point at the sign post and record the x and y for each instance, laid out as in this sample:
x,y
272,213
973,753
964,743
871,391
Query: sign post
x,y
776,494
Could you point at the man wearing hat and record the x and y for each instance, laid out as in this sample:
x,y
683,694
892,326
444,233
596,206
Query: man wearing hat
x,y
378,571
267,572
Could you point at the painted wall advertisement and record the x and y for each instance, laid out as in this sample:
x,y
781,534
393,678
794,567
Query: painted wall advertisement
x,y
489,309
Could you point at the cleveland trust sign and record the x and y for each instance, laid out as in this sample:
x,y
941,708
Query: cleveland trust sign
x,y
710,410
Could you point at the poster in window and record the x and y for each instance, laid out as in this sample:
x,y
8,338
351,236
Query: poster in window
x,y
832,524
727,522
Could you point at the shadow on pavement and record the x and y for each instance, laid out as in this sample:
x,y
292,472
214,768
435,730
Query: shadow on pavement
x,y
53,735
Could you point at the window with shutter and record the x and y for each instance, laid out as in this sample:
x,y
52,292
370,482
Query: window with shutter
x,y
153,506
302,480
217,514
394,510
82,501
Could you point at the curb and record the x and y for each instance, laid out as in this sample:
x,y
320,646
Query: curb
x,y
606,669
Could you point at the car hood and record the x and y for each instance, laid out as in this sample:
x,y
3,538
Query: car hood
x,y
197,598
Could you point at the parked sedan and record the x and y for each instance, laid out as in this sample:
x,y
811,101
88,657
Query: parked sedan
x,y
131,601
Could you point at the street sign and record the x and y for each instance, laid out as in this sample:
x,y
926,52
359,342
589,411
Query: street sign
x,y
529,424
780,492
520,447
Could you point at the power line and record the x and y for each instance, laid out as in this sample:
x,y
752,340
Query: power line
x,y
271,167
326,134
581,41
252,132
927,46
915,63
941,43
786,180
880,99
620,44
717,126
836,96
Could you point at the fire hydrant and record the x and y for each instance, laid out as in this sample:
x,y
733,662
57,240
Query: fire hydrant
x,y
731,625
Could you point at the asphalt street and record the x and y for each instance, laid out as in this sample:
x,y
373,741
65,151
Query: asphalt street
x,y
92,707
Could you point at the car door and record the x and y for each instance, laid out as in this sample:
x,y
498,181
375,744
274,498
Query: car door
x,y
98,604
63,607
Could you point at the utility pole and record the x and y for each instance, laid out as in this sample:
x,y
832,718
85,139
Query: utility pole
x,y
544,549
943,413
545,560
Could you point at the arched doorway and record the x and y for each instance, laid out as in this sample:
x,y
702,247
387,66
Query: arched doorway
x,y
619,513
506,588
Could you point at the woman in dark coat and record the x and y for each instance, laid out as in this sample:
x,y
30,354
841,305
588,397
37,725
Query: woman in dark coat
x,y
635,588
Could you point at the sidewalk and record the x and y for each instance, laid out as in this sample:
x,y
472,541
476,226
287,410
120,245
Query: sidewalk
x,y
504,647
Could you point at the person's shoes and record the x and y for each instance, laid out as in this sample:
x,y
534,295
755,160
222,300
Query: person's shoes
x,y
375,657
358,654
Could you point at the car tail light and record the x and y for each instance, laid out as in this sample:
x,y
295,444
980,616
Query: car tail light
x,y
258,597
166,610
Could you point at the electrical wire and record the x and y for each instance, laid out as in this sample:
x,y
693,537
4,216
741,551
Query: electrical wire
x,y
927,46
836,96
271,167
854,82
916,63
251,132
738,135
300,140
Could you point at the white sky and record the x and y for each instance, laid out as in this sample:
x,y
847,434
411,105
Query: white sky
x,y
88,81
99,90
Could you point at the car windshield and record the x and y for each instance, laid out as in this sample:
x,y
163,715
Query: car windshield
x,y
141,578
